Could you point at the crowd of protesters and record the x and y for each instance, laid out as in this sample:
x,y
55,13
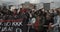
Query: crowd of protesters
x,y
34,20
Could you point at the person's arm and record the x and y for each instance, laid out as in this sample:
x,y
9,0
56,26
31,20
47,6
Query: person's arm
x,y
56,24
32,21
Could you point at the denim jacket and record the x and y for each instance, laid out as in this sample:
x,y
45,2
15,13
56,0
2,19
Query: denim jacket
x,y
57,21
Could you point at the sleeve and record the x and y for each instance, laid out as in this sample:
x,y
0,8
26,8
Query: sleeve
x,y
56,20
33,20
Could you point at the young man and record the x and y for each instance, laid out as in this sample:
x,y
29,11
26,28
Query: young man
x,y
56,24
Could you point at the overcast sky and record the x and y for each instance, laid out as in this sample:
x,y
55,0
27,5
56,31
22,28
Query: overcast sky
x,y
32,1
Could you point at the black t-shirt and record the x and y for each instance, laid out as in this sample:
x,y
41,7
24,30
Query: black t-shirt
x,y
47,21
25,19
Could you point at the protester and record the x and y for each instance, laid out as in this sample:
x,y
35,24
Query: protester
x,y
56,22
33,20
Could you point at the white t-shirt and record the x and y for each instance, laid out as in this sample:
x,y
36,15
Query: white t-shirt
x,y
33,20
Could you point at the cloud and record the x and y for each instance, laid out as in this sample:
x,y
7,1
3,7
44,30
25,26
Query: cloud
x,y
16,2
32,1
35,1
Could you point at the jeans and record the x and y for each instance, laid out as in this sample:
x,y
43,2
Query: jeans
x,y
56,29
59,29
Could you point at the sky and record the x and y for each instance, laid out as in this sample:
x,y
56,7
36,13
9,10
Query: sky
x,y
32,1
56,4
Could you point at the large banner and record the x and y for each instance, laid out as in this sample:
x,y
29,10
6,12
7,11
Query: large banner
x,y
11,25
7,26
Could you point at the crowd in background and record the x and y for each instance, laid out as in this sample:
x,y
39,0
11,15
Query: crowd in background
x,y
36,20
